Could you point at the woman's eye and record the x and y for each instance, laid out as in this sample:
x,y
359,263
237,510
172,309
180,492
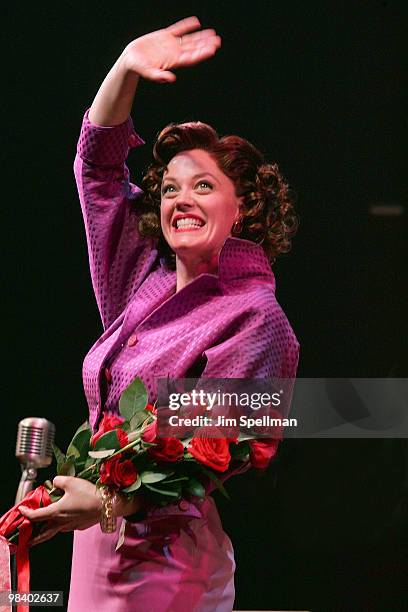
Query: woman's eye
x,y
200,185
204,185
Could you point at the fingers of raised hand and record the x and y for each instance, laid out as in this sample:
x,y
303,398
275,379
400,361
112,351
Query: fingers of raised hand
x,y
197,54
191,40
184,26
201,35
193,51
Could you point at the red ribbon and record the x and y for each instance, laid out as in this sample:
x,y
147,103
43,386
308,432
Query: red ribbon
x,y
13,520
5,577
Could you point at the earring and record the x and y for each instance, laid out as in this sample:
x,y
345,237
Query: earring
x,y
237,227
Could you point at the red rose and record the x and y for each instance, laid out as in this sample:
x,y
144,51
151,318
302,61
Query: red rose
x,y
109,421
166,449
117,473
262,451
151,408
122,438
150,433
213,452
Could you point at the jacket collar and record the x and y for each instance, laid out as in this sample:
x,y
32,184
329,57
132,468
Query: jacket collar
x,y
239,259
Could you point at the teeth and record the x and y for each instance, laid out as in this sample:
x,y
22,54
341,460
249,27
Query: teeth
x,y
188,222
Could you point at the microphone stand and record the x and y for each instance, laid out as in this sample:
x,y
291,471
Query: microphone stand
x,y
26,484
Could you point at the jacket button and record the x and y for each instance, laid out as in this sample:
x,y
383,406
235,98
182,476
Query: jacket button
x,y
132,340
183,505
108,375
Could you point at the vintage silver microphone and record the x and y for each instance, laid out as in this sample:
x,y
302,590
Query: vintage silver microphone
x,y
33,450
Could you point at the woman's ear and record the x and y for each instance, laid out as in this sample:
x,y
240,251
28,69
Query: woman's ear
x,y
240,211
237,225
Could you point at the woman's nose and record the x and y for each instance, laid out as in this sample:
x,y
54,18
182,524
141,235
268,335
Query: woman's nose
x,y
184,199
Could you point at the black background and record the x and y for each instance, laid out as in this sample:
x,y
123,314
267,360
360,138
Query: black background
x,y
319,88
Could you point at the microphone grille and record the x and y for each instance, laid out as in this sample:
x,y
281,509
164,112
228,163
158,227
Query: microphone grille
x,y
34,441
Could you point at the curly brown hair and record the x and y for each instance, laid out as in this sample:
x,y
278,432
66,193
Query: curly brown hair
x,y
267,217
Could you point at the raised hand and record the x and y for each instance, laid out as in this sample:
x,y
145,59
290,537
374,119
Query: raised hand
x,y
154,55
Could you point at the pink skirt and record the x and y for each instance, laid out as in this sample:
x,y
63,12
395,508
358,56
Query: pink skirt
x,y
171,565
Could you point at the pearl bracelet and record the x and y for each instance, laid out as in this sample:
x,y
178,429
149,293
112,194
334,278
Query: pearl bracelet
x,y
108,518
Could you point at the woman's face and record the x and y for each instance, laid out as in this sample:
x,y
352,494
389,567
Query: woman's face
x,y
198,205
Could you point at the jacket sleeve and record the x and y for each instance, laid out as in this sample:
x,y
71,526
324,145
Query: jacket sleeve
x,y
264,346
119,257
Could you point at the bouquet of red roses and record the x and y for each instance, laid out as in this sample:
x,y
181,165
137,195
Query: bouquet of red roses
x,y
127,455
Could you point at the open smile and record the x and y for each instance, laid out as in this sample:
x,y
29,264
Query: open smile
x,y
187,224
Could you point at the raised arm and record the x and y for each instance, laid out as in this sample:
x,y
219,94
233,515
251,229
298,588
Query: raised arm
x,y
119,257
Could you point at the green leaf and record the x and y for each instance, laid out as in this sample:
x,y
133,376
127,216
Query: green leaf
x,y
59,456
186,442
88,463
133,399
239,451
136,420
195,487
133,487
179,479
147,444
14,537
67,468
244,437
101,454
109,440
168,492
125,426
84,427
216,481
150,477
80,444
88,469
54,497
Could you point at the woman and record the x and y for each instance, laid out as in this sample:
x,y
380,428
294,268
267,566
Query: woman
x,y
183,289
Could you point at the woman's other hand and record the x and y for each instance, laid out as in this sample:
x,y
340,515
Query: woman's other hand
x,y
152,57
79,508
182,44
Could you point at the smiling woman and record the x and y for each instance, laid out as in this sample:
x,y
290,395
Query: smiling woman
x,y
183,289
